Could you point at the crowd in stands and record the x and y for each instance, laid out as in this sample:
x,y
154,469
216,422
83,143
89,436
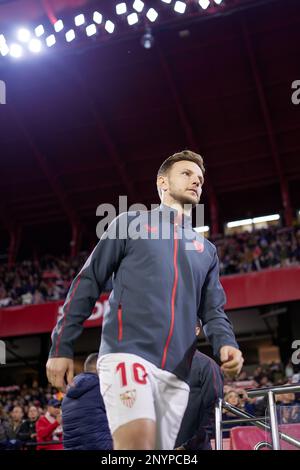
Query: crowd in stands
x,y
48,278
288,404
37,281
253,251
32,414
29,415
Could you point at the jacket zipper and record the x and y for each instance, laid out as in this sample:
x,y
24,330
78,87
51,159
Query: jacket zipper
x,y
174,289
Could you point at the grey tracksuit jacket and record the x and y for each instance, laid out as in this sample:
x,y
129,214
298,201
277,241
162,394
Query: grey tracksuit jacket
x,y
163,277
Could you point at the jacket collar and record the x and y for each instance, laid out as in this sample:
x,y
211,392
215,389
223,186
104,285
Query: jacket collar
x,y
171,215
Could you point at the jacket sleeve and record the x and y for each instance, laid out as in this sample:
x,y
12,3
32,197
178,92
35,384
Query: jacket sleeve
x,y
24,432
45,429
215,323
87,287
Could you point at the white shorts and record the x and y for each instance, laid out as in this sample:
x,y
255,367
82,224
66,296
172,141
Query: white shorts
x,y
133,388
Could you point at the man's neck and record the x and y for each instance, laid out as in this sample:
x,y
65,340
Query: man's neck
x,y
182,209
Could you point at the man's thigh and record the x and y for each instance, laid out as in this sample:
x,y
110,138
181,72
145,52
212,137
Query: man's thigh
x,y
126,389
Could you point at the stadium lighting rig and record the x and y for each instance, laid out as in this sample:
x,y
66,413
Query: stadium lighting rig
x,y
25,40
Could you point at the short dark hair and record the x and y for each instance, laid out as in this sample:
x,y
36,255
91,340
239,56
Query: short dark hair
x,y
178,157
90,363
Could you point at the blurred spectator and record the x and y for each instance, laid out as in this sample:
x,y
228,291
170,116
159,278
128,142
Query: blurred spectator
x,y
49,427
27,432
17,415
5,430
84,415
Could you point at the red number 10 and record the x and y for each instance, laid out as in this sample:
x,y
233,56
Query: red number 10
x,y
138,372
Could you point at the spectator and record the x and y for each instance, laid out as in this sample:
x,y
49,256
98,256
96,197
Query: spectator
x,y
17,415
84,415
27,432
49,427
6,433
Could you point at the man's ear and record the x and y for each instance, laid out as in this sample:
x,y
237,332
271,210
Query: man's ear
x,y
162,182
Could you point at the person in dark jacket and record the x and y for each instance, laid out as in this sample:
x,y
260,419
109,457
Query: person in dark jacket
x,y
27,432
85,425
206,386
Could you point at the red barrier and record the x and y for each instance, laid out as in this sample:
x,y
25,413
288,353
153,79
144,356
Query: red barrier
x,y
246,437
242,290
262,288
34,319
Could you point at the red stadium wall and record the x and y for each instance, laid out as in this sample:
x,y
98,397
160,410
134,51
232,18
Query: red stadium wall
x,y
242,290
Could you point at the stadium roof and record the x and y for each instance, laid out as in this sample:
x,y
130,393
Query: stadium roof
x,y
89,121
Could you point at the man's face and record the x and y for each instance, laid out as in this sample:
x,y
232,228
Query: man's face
x,y
33,413
183,183
53,411
17,414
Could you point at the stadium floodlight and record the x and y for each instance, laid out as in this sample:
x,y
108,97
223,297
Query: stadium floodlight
x,y
204,4
4,49
58,26
166,1
203,229
152,14
239,223
138,5
39,30
109,26
218,2
180,7
147,39
24,35
121,8
16,50
35,45
79,20
70,35
266,218
91,29
132,18
97,17
50,40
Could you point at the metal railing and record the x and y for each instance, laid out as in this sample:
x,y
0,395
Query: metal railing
x,y
244,416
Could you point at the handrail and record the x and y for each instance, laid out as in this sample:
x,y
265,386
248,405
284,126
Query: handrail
x,y
245,416
278,390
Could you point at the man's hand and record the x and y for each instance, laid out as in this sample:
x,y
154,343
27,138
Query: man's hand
x,y
57,368
59,418
232,361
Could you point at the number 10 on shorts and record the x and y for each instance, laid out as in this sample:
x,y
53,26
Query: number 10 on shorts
x,y
136,370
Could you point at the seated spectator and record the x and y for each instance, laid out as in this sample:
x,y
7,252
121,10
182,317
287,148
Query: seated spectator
x,y
232,397
84,415
49,427
16,415
6,433
27,432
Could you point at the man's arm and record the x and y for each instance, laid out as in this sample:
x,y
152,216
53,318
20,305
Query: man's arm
x,y
215,323
82,296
